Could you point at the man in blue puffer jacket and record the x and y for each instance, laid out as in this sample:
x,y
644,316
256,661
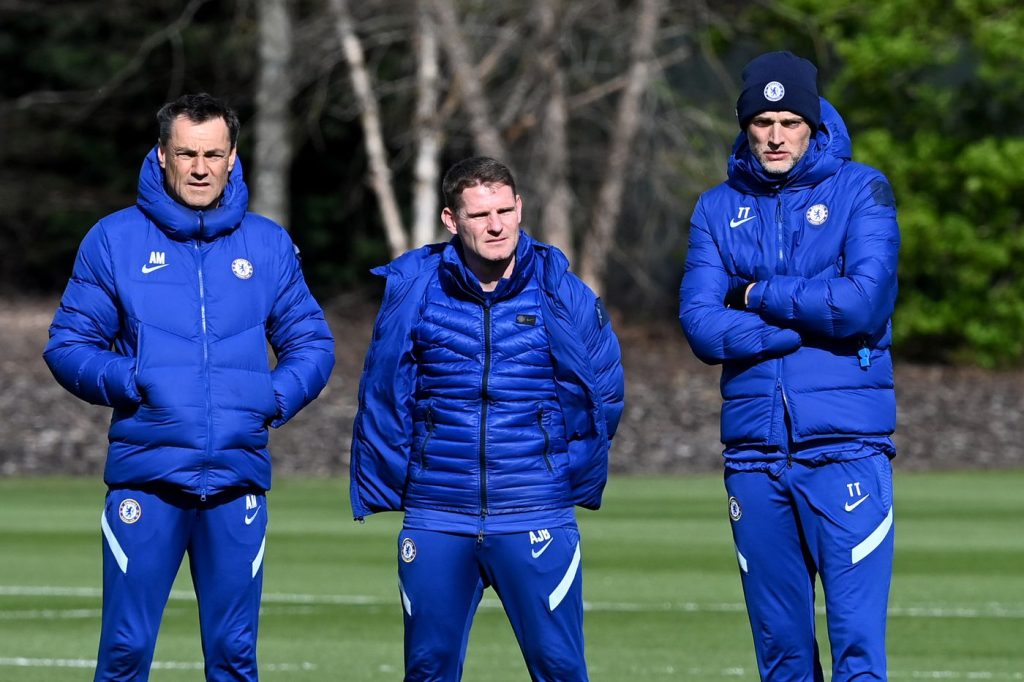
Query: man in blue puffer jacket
x,y
790,283
166,319
491,391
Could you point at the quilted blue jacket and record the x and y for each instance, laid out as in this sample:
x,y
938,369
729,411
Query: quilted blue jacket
x,y
485,404
166,319
811,346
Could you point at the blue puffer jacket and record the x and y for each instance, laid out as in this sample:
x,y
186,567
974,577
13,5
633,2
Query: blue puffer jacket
x,y
812,345
485,404
166,319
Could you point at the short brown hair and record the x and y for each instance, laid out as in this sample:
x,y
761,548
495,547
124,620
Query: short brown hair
x,y
477,170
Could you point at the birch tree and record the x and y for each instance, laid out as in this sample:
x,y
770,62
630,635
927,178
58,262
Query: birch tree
x,y
427,127
274,148
380,169
627,121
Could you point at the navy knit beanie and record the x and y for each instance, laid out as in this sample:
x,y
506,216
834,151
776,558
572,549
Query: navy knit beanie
x,y
779,81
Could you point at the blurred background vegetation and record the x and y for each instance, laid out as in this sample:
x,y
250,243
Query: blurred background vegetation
x,y
613,114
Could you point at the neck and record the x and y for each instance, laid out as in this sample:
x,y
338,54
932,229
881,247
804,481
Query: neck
x,y
489,273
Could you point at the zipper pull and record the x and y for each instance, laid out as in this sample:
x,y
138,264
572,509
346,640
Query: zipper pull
x,y
865,357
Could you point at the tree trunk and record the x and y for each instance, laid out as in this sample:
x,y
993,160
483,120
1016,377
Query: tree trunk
x,y
428,130
556,214
380,171
274,91
627,121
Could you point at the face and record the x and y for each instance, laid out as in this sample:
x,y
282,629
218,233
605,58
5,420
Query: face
x,y
487,223
779,139
197,161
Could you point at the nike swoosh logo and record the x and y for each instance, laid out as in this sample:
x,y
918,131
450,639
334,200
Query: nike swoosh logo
x,y
146,269
850,507
737,223
250,519
537,552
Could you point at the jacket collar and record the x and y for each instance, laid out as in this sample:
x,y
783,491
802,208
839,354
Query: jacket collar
x,y
182,223
458,279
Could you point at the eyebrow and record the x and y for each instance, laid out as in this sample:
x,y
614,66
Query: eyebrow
x,y
189,150
480,214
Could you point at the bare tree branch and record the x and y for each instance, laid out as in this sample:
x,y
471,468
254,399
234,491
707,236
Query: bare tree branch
x,y
627,122
610,87
484,70
90,99
485,134
380,171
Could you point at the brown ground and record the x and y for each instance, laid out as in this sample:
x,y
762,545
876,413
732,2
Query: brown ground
x,y
948,418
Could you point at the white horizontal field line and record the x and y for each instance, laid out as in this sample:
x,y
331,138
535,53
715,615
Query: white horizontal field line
x,y
986,610
893,674
22,662
50,614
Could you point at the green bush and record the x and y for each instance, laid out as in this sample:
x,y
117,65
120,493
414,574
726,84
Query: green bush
x,y
933,92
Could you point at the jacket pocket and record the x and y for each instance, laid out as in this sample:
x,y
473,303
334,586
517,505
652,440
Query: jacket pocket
x,y
429,432
546,453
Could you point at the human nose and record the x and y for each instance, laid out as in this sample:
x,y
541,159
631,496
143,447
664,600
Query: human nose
x,y
775,135
199,167
494,224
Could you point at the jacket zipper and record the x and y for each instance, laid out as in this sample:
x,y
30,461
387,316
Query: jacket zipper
x,y
484,401
780,268
206,366
780,237
426,439
547,439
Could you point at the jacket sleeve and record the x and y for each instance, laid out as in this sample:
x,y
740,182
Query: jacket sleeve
x,y
717,333
300,338
382,430
84,328
606,358
861,299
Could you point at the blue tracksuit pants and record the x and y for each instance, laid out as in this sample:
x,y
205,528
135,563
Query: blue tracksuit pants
x,y
145,536
536,574
834,520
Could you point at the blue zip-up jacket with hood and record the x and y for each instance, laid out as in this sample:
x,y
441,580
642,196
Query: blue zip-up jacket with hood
x,y
166,319
806,364
475,404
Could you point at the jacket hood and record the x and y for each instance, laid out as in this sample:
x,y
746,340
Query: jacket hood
x,y
182,223
827,151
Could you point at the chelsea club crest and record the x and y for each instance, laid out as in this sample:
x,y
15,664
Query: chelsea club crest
x,y
129,511
817,214
735,511
408,550
241,268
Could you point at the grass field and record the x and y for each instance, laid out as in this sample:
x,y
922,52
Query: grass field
x,y
660,581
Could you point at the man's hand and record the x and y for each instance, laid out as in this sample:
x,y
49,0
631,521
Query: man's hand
x,y
736,297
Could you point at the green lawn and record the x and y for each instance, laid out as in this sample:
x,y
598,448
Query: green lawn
x,y
660,575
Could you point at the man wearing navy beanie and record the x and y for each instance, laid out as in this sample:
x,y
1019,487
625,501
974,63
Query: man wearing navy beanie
x,y
779,81
790,283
